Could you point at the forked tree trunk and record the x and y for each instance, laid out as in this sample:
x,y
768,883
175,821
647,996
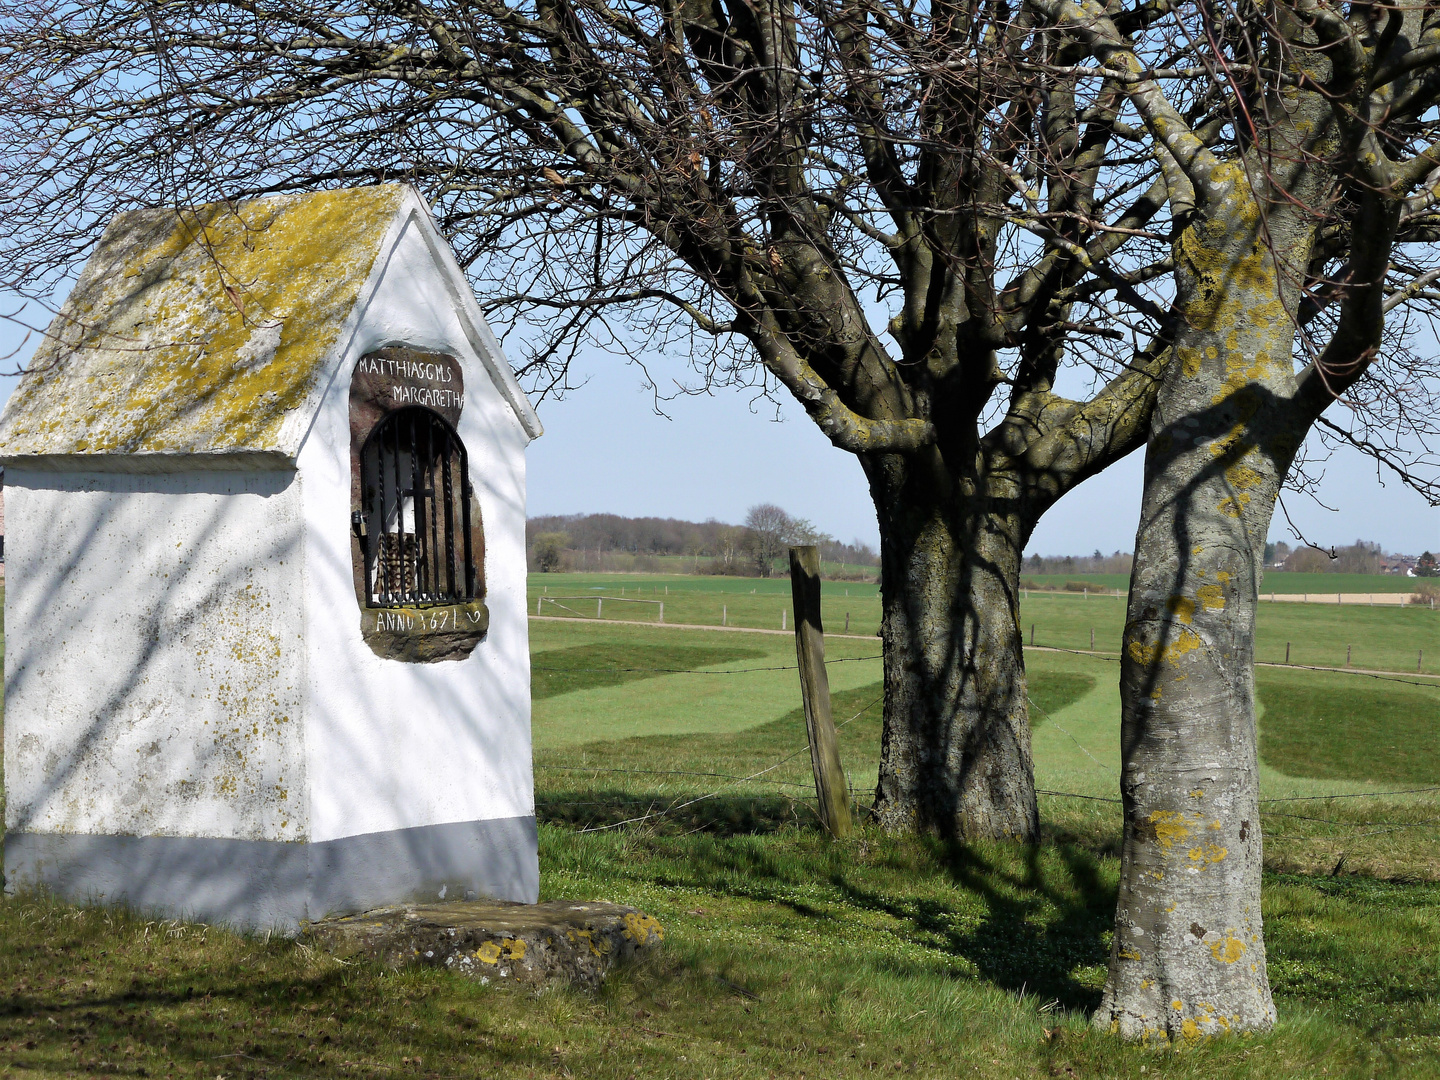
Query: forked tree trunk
x,y
1188,957
955,753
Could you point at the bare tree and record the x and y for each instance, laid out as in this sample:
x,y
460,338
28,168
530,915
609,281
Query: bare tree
x,y
1303,174
910,217
768,530
791,182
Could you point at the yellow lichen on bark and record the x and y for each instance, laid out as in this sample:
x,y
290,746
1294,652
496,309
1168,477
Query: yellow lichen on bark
x,y
1170,826
1187,641
1182,607
1207,853
1228,949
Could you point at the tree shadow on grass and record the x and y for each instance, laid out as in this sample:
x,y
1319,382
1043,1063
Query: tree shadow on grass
x,y
1034,919
243,1025
1044,930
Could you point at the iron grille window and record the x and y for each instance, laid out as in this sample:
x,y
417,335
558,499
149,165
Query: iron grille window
x,y
414,521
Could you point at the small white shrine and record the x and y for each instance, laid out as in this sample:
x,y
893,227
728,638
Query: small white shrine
x,y
266,642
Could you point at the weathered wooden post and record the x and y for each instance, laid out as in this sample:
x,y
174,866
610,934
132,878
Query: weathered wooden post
x,y
830,786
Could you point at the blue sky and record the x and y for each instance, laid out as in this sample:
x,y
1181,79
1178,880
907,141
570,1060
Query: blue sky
x,y
605,450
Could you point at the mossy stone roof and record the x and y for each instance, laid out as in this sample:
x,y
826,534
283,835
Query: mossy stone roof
x,y
200,331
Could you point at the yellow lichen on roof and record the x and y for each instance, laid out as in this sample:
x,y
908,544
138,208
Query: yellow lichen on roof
x,y
199,331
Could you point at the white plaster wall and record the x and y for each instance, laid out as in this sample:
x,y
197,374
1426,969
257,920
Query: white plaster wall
x,y
395,745
154,661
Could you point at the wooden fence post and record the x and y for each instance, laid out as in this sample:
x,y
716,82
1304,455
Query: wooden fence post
x,y
830,787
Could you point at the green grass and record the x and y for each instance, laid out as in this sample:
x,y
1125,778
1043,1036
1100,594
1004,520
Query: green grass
x,y
787,954
1319,730
1284,581
601,783
605,664
1383,638
1277,581
1052,691
605,755
1106,582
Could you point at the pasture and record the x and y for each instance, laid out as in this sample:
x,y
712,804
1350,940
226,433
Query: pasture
x,y
1380,638
1276,581
672,773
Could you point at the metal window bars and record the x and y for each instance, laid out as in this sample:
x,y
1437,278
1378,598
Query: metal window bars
x,y
414,521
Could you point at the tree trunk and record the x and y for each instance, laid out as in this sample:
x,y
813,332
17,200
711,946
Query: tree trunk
x,y
955,752
1188,957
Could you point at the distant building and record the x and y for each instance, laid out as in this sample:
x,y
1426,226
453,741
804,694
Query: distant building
x,y
1399,564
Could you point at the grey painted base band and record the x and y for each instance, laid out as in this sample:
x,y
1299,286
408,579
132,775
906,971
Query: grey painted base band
x,y
267,884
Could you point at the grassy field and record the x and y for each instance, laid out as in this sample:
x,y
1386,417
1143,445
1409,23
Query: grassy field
x,y
692,564
1277,581
1381,638
738,716
672,773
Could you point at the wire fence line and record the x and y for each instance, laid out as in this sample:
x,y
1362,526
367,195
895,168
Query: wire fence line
x,y
1065,732
661,772
1393,826
1350,671
1353,795
1094,654
1115,658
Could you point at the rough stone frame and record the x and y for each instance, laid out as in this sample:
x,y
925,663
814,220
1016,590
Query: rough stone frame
x,y
383,382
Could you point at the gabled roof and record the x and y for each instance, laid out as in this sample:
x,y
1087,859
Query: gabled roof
x,y
215,331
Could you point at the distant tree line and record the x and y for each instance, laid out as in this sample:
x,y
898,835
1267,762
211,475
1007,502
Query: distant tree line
x,y
1361,557
610,543
616,544
1118,563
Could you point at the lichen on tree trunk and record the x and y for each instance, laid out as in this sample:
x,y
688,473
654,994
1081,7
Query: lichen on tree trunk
x,y
1188,957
